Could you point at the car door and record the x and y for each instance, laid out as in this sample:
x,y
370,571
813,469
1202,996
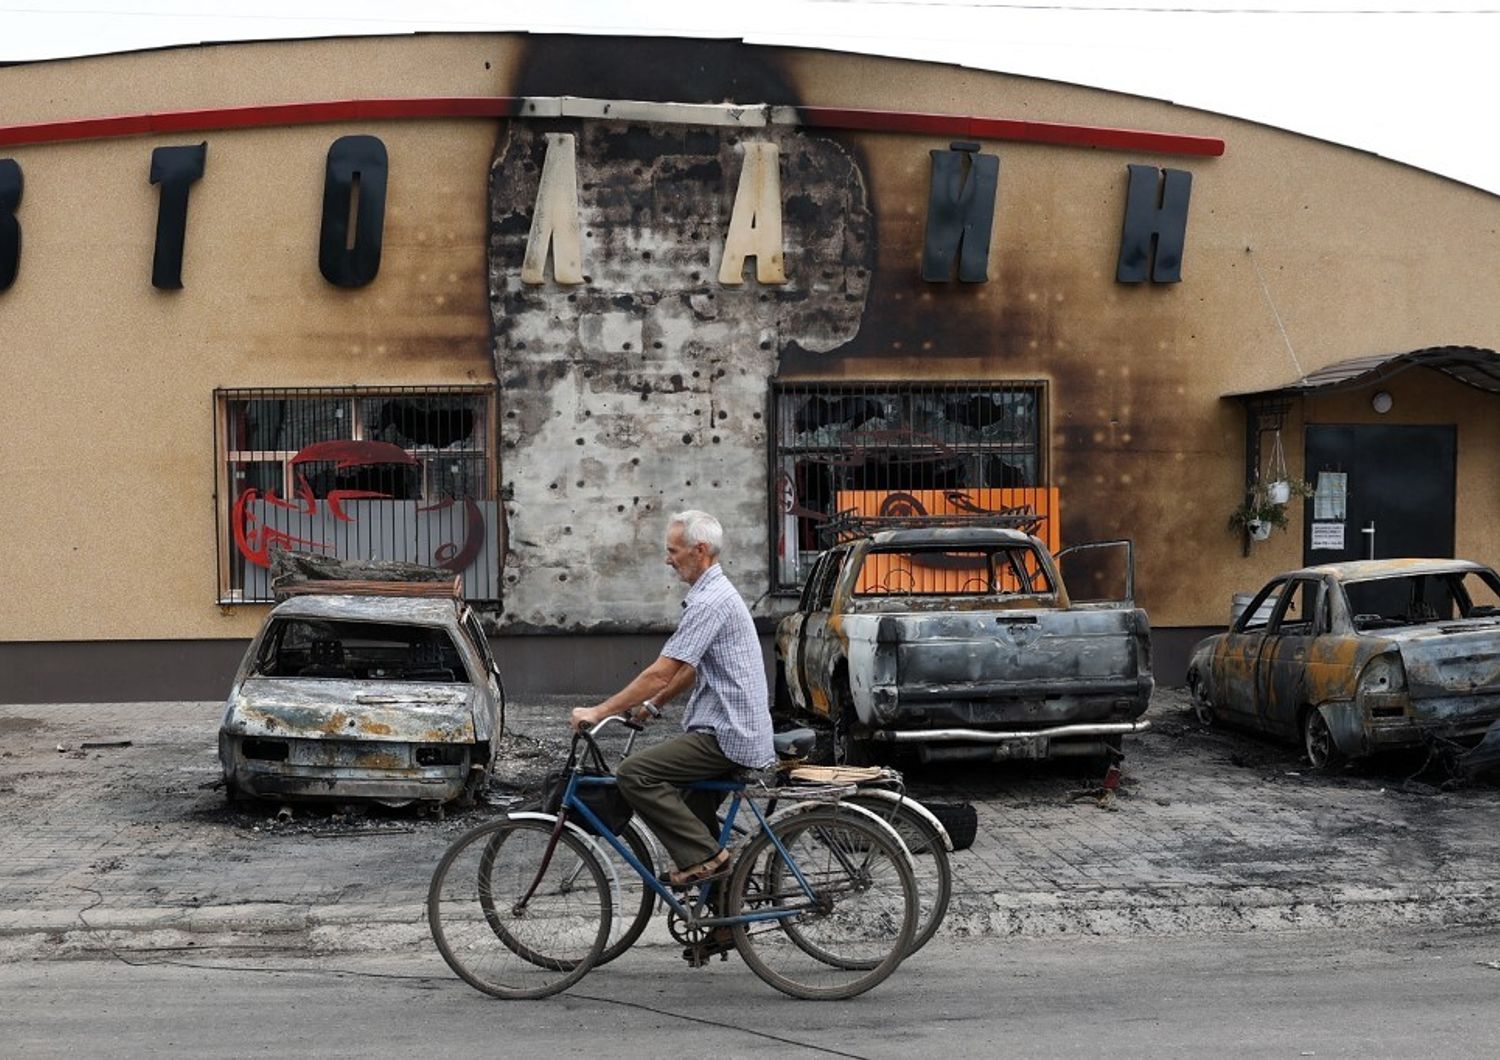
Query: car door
x,y
1101,574
820,646
474,633
1236,664
789,637
1300,616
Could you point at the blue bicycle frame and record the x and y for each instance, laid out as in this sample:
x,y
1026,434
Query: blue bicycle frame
x,y
572,804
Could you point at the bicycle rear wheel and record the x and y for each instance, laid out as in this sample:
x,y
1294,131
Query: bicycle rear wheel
x,y
499,945
931,866
855,927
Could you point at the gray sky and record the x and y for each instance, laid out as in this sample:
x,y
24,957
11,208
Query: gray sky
x,y
1407,79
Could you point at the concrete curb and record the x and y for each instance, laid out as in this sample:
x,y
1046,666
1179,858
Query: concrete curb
x,y
372,927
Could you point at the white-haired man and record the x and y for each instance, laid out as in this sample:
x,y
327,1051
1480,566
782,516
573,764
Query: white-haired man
x,y
727,723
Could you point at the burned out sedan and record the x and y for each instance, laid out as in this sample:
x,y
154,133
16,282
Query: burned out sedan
x,y
382,698
1354,658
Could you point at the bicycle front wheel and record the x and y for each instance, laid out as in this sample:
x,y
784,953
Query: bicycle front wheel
x,y
507,925
835,916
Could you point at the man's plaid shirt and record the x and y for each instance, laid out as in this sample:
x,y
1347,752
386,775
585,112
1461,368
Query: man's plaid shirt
x,y
717,639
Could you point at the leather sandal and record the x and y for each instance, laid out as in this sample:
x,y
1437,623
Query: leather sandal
x,y
703,872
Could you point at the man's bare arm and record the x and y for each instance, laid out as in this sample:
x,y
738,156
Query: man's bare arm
x,y
680,682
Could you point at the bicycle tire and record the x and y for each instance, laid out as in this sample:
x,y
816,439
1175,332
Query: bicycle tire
x,y
867,906
487,940
931,867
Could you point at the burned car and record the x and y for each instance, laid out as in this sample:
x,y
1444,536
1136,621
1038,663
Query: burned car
x,y
363,697
1355,658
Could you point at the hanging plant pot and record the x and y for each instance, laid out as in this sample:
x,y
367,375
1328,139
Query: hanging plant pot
x,y
1259,529
1279,492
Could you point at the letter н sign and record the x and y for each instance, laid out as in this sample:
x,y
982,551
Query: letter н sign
x,y
1146,221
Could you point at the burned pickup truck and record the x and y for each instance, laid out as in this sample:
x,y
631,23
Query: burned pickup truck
x,y
356,692
961,644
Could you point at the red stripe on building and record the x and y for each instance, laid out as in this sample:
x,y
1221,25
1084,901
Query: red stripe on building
x,y
492,107
1015,130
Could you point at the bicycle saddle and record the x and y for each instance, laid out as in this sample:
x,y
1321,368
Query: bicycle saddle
x,y
794,743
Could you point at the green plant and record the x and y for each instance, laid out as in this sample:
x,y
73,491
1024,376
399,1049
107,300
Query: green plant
x,y
1242,518
1258,509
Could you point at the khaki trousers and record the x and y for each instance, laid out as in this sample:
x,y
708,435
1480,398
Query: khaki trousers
x,y
686,822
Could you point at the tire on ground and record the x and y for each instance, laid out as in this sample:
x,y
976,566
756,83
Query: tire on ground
x,y
960,819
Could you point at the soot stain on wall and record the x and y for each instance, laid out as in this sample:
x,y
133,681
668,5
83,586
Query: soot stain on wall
x,y
643,390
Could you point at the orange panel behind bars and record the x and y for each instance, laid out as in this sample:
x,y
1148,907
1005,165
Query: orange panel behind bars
x,y
958,504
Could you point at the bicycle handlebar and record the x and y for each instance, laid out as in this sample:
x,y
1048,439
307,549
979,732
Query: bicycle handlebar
x,y
622,719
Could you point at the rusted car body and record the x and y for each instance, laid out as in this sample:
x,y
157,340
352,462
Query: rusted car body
x,y
389,699
1355,658
961,644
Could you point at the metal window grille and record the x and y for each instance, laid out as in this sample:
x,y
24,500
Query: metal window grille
x,y
388,473
846,453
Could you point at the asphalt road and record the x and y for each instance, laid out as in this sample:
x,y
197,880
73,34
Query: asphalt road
x,y
1344,994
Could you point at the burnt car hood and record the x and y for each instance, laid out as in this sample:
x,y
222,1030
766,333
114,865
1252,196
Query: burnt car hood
x,y
333,709
1447,658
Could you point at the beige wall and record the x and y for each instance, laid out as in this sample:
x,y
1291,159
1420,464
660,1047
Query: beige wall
x,y
107,469
1299,254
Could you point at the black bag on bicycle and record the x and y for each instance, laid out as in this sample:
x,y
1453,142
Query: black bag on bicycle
x,y
603,800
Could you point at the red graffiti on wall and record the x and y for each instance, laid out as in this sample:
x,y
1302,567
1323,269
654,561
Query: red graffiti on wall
x,y
254,539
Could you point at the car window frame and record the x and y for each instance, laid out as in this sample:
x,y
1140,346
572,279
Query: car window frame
x,y
474,633
828,582
1317,623
809,587
1243,624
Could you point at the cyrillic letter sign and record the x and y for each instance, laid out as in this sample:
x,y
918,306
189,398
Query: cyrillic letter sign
x,y
1154,214
755,224
353,184
175,169
960,214
10,228
554,222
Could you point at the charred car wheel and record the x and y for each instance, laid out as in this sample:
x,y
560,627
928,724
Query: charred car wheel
x,y
848,748
1317,742
1203,708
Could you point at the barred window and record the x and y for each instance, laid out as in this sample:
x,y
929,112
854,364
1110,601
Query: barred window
x,y
388,473
894,450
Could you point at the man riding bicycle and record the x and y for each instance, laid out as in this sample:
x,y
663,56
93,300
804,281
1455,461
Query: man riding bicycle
x,y
727,723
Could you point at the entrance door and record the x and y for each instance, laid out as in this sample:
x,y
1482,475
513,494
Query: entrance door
x,y
1400,485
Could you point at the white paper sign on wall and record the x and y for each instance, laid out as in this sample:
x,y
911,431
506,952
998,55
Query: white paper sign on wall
x,y
1328,536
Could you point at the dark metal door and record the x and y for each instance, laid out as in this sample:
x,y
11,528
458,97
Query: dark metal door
x,y
1400,491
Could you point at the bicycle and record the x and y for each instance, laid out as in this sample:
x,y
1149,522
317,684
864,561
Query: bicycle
x,y
821,902
878,789
883,792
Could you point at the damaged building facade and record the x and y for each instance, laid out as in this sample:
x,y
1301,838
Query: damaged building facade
x,y
501,303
